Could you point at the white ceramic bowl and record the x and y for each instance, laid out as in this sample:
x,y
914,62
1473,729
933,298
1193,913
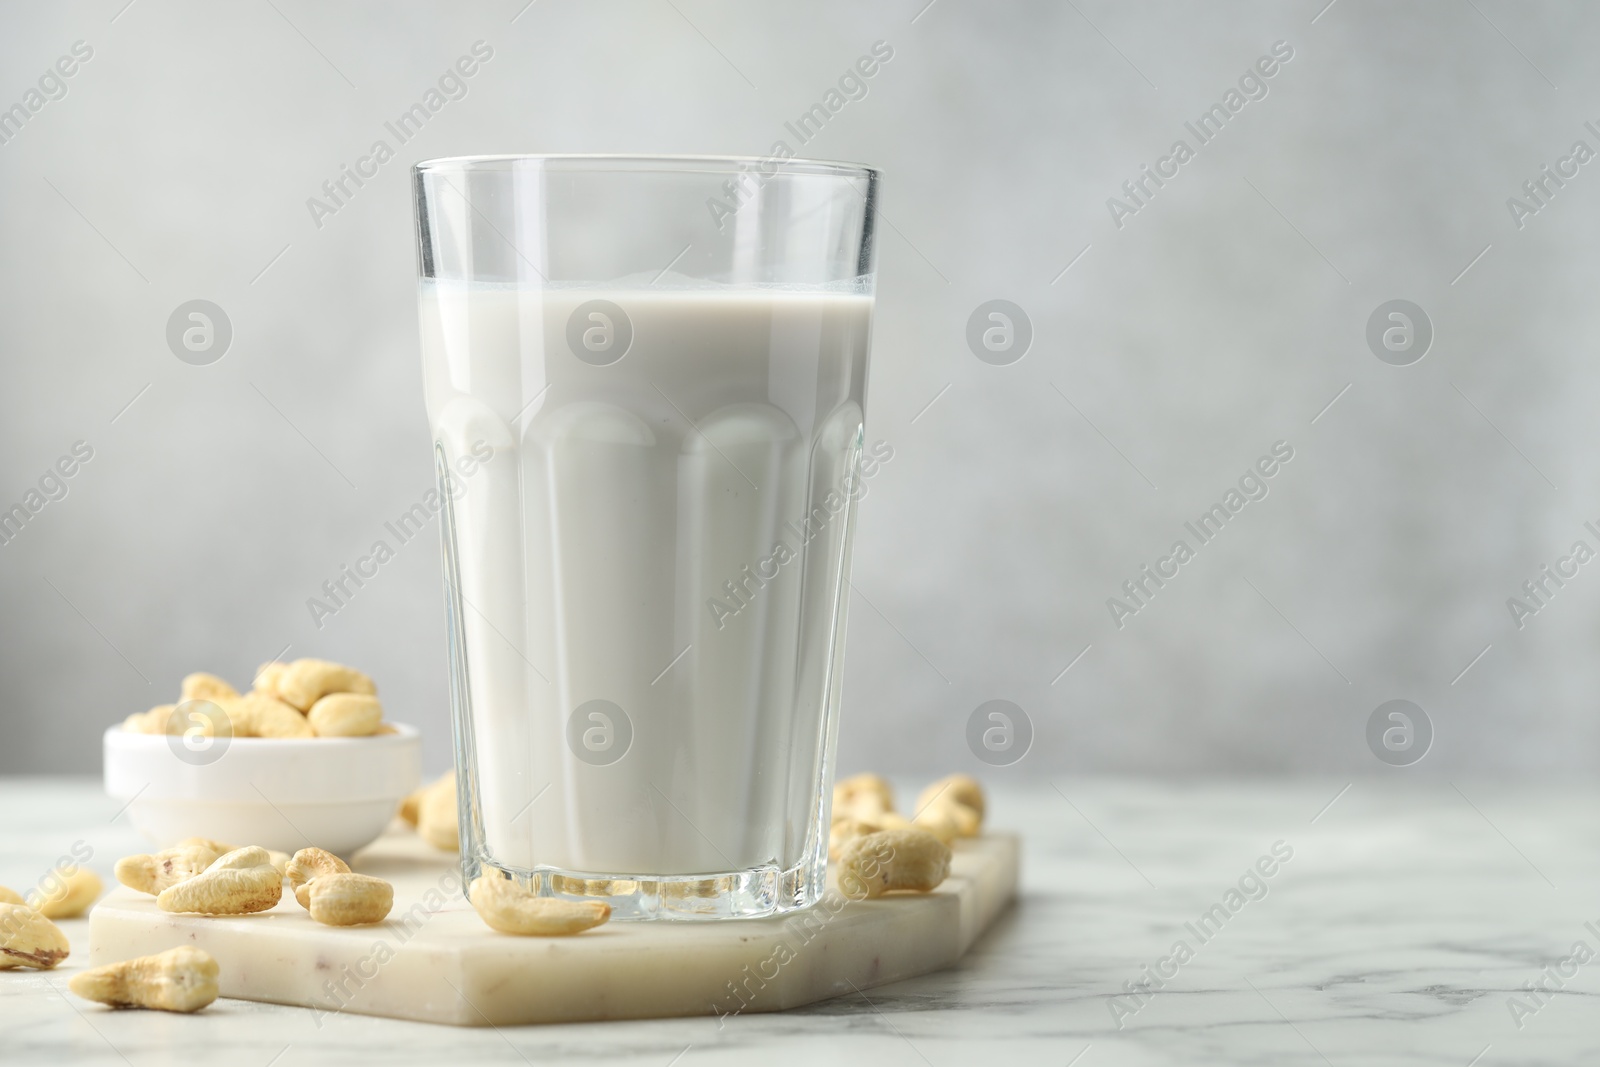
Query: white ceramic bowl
x,y
334,793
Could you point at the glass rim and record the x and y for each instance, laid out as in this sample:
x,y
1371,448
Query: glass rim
x,y
771,166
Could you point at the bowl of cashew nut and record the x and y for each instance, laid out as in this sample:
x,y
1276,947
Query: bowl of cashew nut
x,y
304,755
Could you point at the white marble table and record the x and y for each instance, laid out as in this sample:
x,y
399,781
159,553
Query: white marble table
x,y
1405,919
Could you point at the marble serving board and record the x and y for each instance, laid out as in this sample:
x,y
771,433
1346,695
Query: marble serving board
x,y
434,960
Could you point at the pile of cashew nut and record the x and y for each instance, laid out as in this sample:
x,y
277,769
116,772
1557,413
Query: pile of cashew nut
x,y
306,698
196,876
876,851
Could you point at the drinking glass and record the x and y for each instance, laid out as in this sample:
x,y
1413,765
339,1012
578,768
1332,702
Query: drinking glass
x,y
645,380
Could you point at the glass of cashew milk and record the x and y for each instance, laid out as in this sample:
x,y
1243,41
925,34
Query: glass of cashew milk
x,y
645,380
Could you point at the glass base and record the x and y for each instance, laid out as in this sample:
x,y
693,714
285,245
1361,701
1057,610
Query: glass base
x,y
756,893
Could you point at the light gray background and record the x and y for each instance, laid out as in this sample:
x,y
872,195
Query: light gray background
x,y
1223,317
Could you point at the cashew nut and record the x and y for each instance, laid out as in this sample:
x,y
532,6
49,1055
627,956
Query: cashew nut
x,y
943,821
968,821
879,863
153,873
74,890
203,686
436,814
179,979
306,681
960,788
847,826
345,715
689,890
28,939
843,831
238,883
155,721
605,887
873,816
278,705
258,714
268,676
309,864
863,796
346,899
509,908
216,846
10,896
410,807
